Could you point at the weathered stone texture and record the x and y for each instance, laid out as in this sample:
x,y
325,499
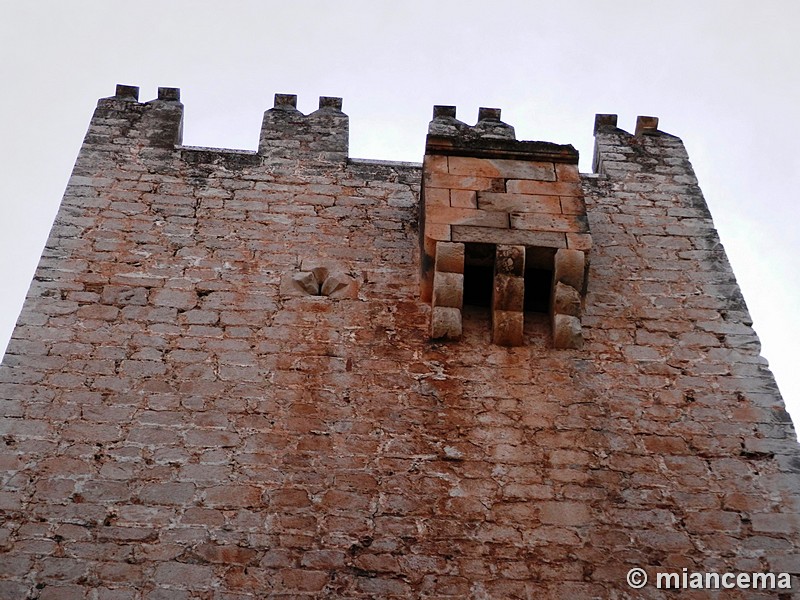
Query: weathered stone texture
x,y
180,420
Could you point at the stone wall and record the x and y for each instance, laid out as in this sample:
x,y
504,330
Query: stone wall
x,y
222,386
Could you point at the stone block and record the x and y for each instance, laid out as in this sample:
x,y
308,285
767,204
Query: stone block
x,y
567,332
509,260
462,182
124,295
567,172
444,111
465,216
569,267
330,102
497,201
450,257
579,241
127,92
285,100
448,289
433,233
604,123
300,284
318,281
445,323
488,114
339,286
532,221
463,198
573,205
436,197
435,164
496,167
169,94
175,298
507,327
777,523
646,125
508,293
487,235
437,232
544,188
565,514
566,300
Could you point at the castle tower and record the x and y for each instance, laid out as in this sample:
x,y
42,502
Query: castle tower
x,y
288,373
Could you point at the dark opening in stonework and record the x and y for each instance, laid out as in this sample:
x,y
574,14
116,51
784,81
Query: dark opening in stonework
x,y
538,283
538,278
478,274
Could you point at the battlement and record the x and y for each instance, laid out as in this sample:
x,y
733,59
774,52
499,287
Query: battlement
x,y
621,150
607,123
122,122
488,138
320,138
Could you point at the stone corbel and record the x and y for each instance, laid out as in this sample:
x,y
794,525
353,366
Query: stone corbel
x,y
508,295
566,305
448,291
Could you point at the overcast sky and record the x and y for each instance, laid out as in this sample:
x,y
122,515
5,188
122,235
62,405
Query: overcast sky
x,y
721,74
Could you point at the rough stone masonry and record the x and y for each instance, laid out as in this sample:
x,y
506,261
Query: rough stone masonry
x,y
282,374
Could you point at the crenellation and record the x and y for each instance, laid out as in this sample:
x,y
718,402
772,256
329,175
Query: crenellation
x,y
490,126
330,102
168,94
127,91
285,102
287,373
646,126
289,135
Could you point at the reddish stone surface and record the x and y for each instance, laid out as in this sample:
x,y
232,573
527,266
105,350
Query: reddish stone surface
x,y
175,427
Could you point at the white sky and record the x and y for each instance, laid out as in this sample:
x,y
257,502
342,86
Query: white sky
x,y
721,74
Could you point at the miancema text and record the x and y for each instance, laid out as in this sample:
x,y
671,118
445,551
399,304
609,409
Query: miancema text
x,y
716,581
